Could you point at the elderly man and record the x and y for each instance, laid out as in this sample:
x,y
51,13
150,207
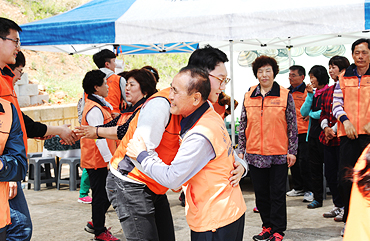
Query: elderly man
x,y
160,130
351,101
300,174
215,209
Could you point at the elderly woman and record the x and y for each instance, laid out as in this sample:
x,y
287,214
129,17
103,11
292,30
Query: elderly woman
x,y
268,140
328,137
312,107
141,84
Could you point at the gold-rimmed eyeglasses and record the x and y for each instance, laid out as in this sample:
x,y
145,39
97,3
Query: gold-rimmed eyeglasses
x,y
223,81
16,41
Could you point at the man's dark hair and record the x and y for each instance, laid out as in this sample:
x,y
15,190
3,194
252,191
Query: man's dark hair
x,y
301,70
6,25
199,81
100,58
340,61
92,78
320,73
360,41
207,58
146,80
20,60
264,60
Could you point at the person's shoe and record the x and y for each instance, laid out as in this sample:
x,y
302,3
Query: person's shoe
x,y
314,204
106,236
276,237
295,193
342,231
307,197
89,227
182,198
264,235
332,213
255,210
86,200
339,217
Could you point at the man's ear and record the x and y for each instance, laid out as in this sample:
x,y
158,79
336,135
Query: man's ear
x,y
95,88
197,98
106,65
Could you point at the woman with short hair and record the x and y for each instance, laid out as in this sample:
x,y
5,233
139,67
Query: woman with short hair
x,y
268,140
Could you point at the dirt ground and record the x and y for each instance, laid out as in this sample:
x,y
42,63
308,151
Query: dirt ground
x,y
56,215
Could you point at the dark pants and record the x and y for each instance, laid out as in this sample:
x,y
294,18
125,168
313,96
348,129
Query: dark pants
x,y
3,235
232,232
100,202
316,157
143,214
300,170
350,151
269,187
331,159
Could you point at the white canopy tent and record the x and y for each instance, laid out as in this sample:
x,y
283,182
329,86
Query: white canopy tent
x,y
247,23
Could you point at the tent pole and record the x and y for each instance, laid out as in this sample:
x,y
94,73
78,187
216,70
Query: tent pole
x,y
231,43
289,53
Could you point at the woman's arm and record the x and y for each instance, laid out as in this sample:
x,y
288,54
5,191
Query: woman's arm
x,y
242,138
306,107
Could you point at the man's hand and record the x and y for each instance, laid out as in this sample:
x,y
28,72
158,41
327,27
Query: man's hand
x,y
135,147
329,133
350,130
237,174
12,190
67,135
290,159
241,155
367,128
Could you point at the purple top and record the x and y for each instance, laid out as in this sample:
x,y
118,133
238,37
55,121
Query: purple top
x,y
262,161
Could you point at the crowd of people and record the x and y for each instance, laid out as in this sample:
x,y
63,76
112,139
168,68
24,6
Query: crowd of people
x,y
138,142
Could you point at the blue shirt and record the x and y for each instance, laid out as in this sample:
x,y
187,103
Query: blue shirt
x,y
14,155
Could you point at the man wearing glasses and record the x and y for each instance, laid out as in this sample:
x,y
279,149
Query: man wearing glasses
x,y
10,55
152,123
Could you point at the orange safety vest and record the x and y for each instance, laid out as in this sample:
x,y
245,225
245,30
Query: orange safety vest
x,y
6,124
299,99
356,101
7,93
115,95
211,201
358,222
90,154
166,149
267,129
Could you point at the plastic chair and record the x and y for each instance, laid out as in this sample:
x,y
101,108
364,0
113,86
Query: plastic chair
x,y
74,177
35,171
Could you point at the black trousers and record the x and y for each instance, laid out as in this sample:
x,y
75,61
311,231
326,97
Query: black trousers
x,y
100,202
350,151
231,232
316,157
331,159
270,187
300,170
